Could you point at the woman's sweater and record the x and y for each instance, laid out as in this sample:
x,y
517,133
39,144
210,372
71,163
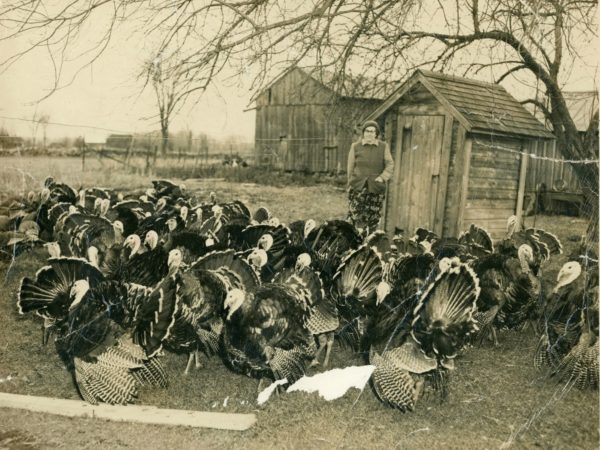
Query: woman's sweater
x,y
368,161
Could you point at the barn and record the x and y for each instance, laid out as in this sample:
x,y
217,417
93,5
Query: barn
x,y
305,123
553,186
459,148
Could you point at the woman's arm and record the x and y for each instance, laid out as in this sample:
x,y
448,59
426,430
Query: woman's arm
x,y
389,164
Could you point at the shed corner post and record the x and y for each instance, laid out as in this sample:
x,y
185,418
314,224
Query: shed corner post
x,y
464,192
390,130
522,181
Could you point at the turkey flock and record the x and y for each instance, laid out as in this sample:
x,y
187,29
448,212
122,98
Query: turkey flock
x,y
133,276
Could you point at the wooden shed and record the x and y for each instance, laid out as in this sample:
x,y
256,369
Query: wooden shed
x,y
458,145
305,123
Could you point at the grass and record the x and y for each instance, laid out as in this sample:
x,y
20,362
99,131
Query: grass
x,y
497,398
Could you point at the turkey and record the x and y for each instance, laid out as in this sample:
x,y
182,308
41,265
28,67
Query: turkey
x,y
543,244
275,240
298,232
477,240
407,277
112,337
266,333
202,288
323,319
166,188
191,244
328,244
48,294
24,238
106,333
380,241
60,192
511,293
357,289
134,263
424,351
569,344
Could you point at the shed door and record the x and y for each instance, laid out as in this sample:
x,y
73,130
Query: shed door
x,y
417,175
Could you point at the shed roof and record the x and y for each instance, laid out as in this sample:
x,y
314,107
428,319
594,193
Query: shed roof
x,y
479,106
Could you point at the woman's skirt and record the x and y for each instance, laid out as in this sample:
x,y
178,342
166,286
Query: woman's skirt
x,y
364,210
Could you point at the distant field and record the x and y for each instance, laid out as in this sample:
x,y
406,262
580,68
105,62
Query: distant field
x,y
19,175
497,399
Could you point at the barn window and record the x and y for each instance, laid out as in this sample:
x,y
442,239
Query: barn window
x,y
269,94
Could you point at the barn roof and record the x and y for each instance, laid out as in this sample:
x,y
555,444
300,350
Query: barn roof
x,y
355,86
477,105
352,86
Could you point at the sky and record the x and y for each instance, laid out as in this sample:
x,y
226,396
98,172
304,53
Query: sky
x,y
105,97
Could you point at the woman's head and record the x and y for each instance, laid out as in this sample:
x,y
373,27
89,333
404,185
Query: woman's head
x,y
370,129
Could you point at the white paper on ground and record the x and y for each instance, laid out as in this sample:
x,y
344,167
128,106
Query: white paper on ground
x,y
334,383
264,395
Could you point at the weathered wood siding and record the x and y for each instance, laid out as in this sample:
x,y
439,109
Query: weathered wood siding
x,y
420,143
493,183
303,126
472,170
555,175
456,166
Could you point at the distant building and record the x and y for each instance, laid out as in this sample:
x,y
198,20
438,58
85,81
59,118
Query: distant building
x,y
556,176
306,119
122,141
8,142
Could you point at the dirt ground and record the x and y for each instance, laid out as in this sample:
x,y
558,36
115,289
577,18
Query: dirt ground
x,y
497,399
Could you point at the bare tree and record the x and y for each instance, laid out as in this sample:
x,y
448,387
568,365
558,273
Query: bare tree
x,y
172,86
535,42
43,120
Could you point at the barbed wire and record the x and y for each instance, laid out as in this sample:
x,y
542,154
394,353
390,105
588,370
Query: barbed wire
x,y
291,139
71,125
535,156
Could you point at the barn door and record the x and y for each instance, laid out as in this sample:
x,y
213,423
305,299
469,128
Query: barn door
x,y
416,185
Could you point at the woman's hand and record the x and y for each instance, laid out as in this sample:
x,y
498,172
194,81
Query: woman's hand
x,y
379,180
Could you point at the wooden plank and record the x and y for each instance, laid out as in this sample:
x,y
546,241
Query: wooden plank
x,y
475,214
489,203
129,413
422,109
438,225
402,219
390,132
494,154
465,181
455,182
476,183
522,180
391,213
498,194
487,162
498,173
493,224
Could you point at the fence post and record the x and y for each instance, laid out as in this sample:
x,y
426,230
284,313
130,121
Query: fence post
x,y
147,170
82,146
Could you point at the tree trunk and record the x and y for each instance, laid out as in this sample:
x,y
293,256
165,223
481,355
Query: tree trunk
x,y
164,131
590,143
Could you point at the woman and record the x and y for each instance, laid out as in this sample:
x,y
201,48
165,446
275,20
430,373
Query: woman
x,y
370,166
